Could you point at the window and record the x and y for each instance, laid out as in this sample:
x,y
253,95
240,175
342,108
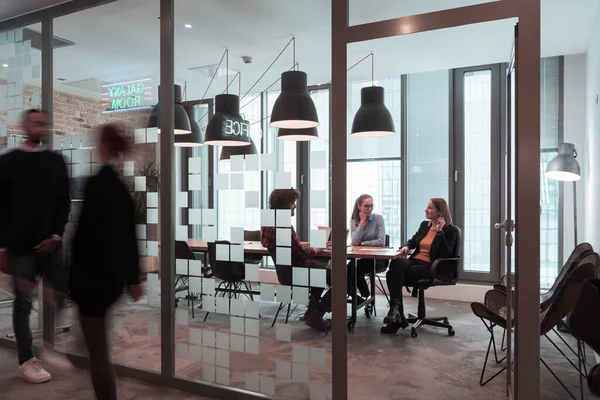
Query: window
x,y
549,189
319,163
477,169
380,179
427,144
375,165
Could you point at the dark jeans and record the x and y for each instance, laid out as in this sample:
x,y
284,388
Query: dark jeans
x,y
26,269
364,267
95,333
403,272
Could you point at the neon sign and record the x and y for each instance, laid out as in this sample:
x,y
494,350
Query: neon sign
x,y
127,96
236,128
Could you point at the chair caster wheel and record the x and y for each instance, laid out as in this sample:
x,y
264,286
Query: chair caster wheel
x,y
368,311
413,333
451,332
351,325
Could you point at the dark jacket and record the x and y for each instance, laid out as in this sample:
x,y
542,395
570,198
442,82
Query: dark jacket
x,y
443,243
105,252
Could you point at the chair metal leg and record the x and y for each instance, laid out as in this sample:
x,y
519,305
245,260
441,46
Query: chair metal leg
x,y
281,305
491,343
287,314
382,289
557,378
564,355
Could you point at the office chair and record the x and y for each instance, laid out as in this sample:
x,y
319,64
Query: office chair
x,y
231,274
445,273
182,282
375,283
253,236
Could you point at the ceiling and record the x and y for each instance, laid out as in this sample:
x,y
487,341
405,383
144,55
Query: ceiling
x,y
14,8
120,41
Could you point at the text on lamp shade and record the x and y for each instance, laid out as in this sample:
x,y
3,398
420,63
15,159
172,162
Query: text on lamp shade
x,y
236,128
127,95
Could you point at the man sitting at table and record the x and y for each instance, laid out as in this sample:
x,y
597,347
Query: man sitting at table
x,y
303,256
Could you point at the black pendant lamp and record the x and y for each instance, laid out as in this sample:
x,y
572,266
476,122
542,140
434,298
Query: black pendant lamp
x,y
298,135
294,108
182,120
372,119
227,127
193,139
229,151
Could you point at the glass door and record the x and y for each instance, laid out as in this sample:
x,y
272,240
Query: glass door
x,y
508,225
476,171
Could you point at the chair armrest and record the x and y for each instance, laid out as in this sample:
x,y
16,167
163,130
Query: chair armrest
x,y
439,262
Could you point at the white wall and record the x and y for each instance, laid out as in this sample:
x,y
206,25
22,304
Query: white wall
x,y
592,143
575,132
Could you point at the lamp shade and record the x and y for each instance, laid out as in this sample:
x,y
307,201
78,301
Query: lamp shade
x,y
193,139
564,167
298,135
229,151
182,120
227,127
372,119
294,108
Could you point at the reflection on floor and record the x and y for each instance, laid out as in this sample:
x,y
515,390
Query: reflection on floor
x,y
431,366
76,386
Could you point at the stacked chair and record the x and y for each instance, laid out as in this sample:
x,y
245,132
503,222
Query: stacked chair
x,y
555,305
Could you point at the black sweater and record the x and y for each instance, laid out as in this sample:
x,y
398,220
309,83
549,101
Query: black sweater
x,y
105,252
34,199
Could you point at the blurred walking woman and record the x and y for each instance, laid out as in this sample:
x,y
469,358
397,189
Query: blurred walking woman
x,y
105,256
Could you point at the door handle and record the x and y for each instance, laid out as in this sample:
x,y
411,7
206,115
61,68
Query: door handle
x,y
506,225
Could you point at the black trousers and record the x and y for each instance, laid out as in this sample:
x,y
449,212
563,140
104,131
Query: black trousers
x,y
403,272
95,333
364,267
26,270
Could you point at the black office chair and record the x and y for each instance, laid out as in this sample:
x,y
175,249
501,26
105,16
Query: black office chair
x,y
375,282
444,272
182,282
285,278
253,236
231,274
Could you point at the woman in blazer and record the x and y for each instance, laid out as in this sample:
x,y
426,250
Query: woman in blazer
x,y
435,239
105,256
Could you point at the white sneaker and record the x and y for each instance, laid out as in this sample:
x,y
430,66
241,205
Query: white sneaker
x,y
33,372
56,361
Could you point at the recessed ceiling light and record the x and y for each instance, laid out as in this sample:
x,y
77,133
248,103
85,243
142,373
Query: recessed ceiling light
x,y
5,65
188,25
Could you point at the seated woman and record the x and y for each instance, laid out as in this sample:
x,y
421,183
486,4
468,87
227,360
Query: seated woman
x,y
366,229
435,239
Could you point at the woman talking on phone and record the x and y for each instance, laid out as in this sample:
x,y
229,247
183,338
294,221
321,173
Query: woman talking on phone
x,y
435,239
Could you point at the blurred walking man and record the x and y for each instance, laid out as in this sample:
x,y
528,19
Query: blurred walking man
x,y
34,209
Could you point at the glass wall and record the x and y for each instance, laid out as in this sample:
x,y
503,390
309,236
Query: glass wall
x,y
20,89
90,91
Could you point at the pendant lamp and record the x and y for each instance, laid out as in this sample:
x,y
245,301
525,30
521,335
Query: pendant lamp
x,y
229,151
182,120
299,135
294,108
227,127
372,119
564,167
193,139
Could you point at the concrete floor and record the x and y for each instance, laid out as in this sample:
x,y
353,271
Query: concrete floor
x,y
73,386
396,367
